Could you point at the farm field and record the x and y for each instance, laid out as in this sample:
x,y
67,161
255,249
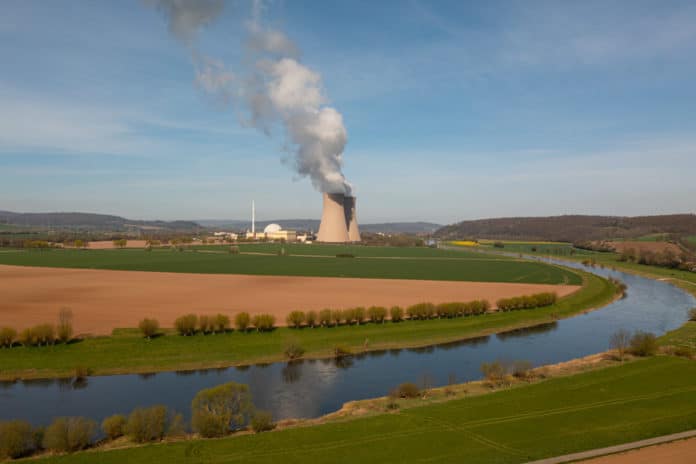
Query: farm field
x,y
127,351
546,248
600,408
102,300
475,267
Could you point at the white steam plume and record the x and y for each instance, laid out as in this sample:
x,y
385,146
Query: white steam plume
x,y
276,89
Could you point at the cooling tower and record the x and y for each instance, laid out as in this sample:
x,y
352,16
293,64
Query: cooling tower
x,y
333,227
351,219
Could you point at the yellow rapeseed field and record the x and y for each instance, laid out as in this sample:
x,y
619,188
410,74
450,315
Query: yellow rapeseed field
x,y
467,243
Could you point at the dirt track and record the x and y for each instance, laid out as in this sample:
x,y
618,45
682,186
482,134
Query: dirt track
x,y
678,452
103,300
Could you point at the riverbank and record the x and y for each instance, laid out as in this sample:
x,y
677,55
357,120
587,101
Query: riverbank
x,y
599,405
127,352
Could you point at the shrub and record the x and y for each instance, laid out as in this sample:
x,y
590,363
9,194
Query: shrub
x,y
377,314
16,439
521,369
295,319
221,323
359,315
348,315
69,434
262,421
148,424
692,314
26,337
263,322
242,321
450,310
205,323
325,317
527,301
421,311
643,344
7,336
337,316
148,327
407,390
64,329
396,313
176,426
82,372
44,334
683,351
114,426
620,341
215,410
311,318
186,325
494,372
342,351
293,351
345,255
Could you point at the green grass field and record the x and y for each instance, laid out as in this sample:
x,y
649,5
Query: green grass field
x,y
466,267
601,408
363,251
538,248
127,351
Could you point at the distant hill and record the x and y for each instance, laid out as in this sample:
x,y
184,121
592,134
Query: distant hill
x,y
570,228
313,225
90,221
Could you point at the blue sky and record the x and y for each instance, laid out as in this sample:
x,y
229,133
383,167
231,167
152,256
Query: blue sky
x,y
454,110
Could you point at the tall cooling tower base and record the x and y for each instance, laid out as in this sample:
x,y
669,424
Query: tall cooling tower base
x,y
339,222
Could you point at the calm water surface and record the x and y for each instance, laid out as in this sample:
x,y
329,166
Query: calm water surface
x,y
314,388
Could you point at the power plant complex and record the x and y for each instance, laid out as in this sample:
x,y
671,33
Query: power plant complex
x,y
339,222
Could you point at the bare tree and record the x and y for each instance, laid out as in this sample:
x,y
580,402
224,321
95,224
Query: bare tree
x,y
620,341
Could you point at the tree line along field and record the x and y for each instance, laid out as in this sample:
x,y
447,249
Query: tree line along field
x,y
127,351
476,267
629,402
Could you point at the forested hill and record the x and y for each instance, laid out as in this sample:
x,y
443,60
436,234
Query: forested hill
x,y
570,228
89,221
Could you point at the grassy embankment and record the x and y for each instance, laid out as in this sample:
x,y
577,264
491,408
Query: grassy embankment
x,y
127,352
633,401
413,263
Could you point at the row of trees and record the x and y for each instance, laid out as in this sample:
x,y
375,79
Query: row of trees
x,y
537,300
215,412
41,334
380,314
665,258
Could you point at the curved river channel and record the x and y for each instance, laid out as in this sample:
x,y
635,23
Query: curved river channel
x,y
316,387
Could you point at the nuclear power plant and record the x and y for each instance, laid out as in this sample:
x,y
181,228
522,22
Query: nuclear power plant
x,y
339,221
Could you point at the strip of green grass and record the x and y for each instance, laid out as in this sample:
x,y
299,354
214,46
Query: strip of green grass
x,y
321,249
126,351
478,268
601,408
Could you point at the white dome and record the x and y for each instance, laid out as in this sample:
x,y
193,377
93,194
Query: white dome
x,y
271,228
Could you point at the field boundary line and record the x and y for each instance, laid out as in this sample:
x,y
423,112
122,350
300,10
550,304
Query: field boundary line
x,y
616,448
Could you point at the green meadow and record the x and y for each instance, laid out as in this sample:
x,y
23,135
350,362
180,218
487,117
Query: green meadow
x,y
605,407
385,262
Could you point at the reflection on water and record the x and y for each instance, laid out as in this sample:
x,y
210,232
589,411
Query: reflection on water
x,y
525,331
316,387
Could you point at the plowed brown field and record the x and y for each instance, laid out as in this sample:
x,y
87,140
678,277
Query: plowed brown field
x,y
678,452
102,300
